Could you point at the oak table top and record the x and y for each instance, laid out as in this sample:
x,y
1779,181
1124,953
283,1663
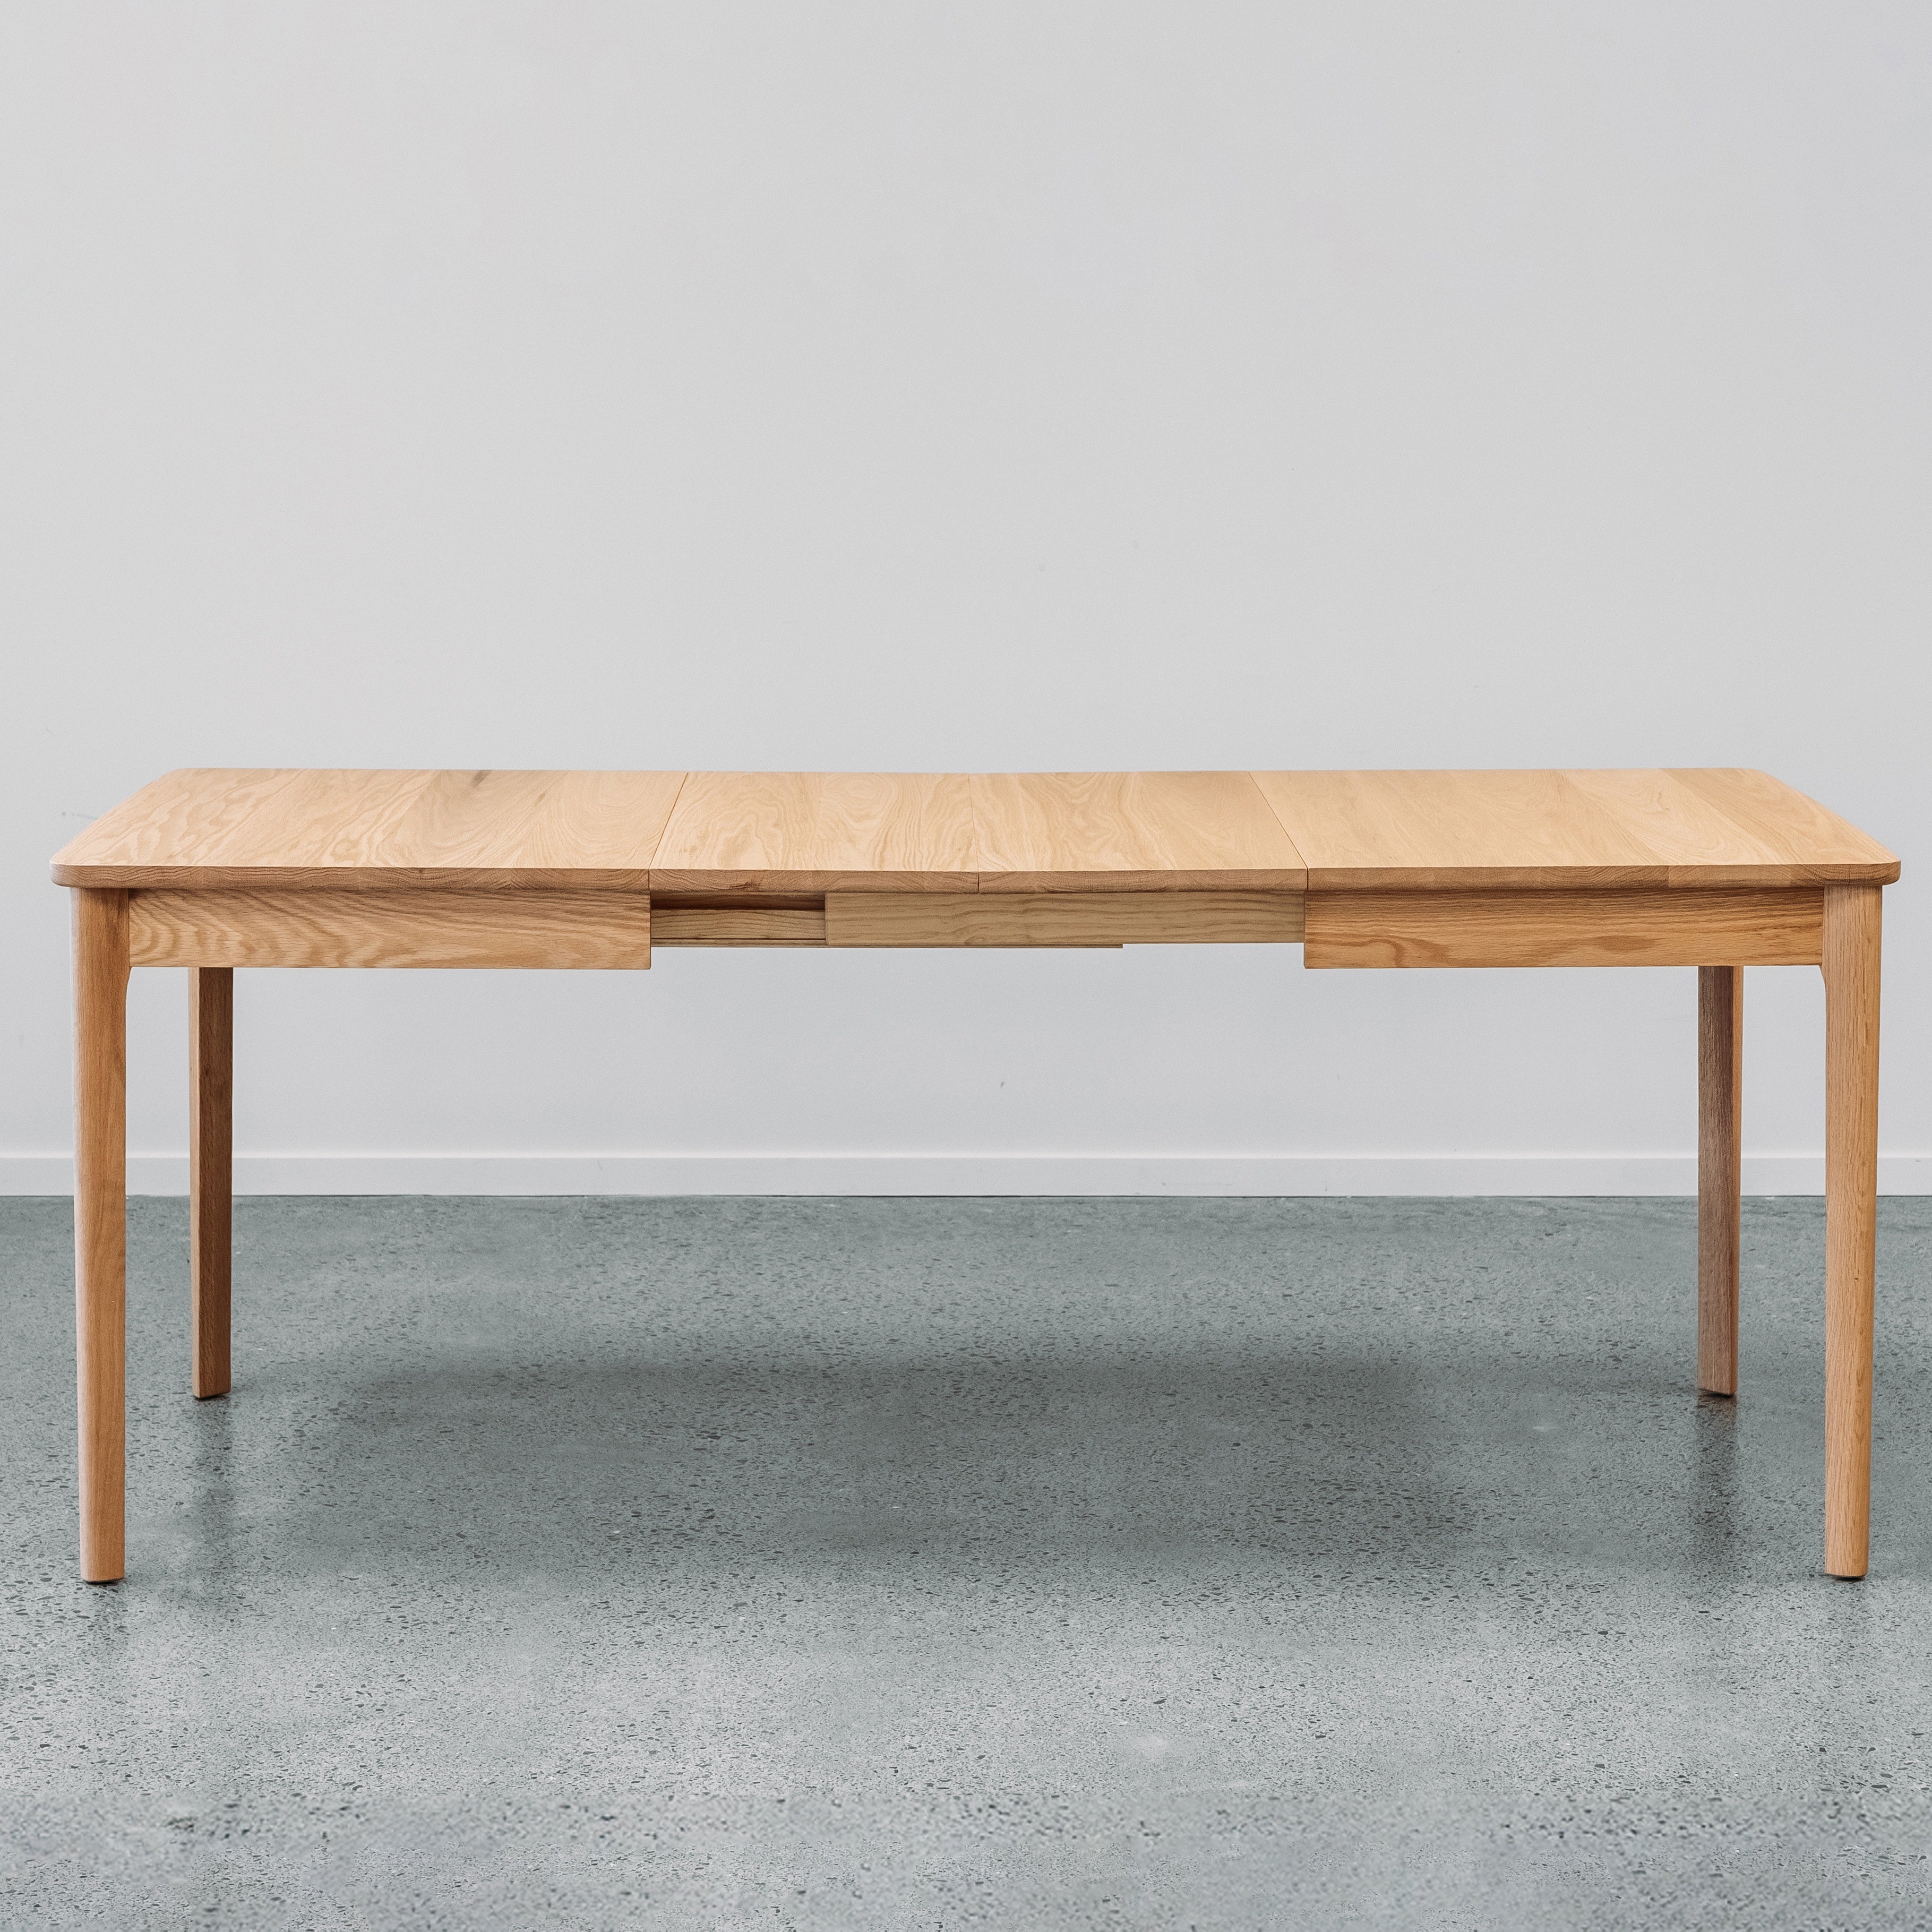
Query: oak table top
x,y
953,832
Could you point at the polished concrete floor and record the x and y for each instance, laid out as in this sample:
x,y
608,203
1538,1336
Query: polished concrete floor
x,y
936,1564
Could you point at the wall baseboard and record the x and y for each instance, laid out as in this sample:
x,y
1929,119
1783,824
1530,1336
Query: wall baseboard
x,y
536,1174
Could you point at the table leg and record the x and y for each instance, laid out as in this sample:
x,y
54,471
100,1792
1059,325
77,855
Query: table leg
x,y
101,1223
1851,966
1720,1033
211,1171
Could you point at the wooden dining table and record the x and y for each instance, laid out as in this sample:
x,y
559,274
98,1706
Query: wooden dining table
x,y
1716,869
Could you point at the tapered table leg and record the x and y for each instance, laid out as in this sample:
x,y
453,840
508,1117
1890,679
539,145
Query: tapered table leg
x,y
1851,965
101,1223
1720,1028
211,1171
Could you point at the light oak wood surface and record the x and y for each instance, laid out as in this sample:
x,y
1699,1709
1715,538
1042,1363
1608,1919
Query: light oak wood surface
x,y
783,832
1730,828
428,926
378,830
1689,927
1041,832
100,1223
523,828
1852,915
739,925
1456,831
211,1174
1720,1037
1814,846
817,832
1107,919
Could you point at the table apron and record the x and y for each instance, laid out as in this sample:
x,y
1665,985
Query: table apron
x,y
1082,918
1687,926
435,926
425,926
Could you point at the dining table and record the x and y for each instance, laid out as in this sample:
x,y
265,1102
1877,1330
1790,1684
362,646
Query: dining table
x,y
1718,869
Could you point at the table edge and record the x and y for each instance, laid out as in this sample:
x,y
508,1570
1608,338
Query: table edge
x,y
366,878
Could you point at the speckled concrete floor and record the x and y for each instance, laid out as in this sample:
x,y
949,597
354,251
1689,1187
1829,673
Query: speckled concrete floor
x,y
934,1564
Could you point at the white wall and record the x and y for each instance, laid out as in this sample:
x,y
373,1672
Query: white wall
x,y
975,386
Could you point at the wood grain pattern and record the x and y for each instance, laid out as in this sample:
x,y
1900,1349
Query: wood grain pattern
x,y
378,830
816,832
514,828
1054,832
101,1225
1851,968
1690,840
321,824
167,826
1658,928
1720,1020
1814,847
737,925
431,926
1432,829
1089,919
1458,831
1129,832
210,1170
